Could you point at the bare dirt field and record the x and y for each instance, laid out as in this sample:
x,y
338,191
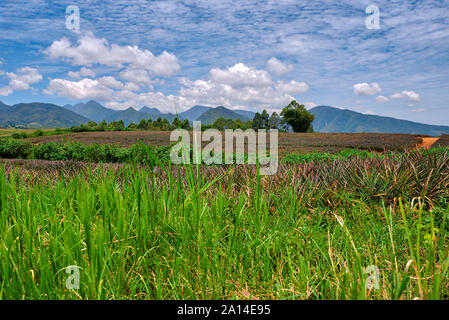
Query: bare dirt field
x,y
288,142
427,143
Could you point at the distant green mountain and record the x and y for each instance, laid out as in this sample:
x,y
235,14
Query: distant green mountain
x,y
96,112
92,110
129,115
194,112
39,115
132,115
213,114
329,119
3,106
154,113
248,114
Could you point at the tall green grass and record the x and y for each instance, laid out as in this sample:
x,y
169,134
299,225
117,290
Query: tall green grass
x,y
197,233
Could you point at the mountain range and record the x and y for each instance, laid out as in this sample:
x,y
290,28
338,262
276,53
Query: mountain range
x,y
91,110
194,113
38,115
327,119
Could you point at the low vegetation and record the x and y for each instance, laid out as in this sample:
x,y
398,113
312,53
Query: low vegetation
x,y
136,153
341,223
300,143
443,141
312,231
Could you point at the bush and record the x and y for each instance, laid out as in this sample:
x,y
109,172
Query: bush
x,y
106,153
19,135
143,154
302,158
76,151
347,153
50,151
15,149
38,133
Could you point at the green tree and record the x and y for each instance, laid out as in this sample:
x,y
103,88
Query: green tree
x,y
142,124
186,124
274,122
165,125
219,124
177,122
264,119
257,121
158,123
297,117
102,126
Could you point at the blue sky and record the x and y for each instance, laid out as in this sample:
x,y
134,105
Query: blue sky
x,y
241,54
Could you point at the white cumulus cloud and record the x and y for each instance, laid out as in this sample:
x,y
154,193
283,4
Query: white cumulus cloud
x,y
382,99
91,50
292,87
84,72
138,76
85,89
366,89
278,68
406,95
236,86
20,80
241,75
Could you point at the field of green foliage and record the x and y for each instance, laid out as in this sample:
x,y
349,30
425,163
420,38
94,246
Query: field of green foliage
x,y
320,228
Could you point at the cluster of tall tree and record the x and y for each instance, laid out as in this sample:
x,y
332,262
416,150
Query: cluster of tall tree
x,y
222,124
265,121
293,117
161,123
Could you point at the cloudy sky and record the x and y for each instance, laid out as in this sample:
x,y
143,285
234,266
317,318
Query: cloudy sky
x,y
241,54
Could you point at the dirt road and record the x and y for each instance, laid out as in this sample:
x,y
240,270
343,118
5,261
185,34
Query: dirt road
x,y
426,142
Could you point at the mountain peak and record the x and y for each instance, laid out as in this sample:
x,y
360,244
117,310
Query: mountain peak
x,y
150,110
213,114
93,102
194,113
92,110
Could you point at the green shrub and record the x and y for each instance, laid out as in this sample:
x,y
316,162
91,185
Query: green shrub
x,y
301,158
347,153
143,154
15,149
50,151
19,135
38,133
106,153
76,151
